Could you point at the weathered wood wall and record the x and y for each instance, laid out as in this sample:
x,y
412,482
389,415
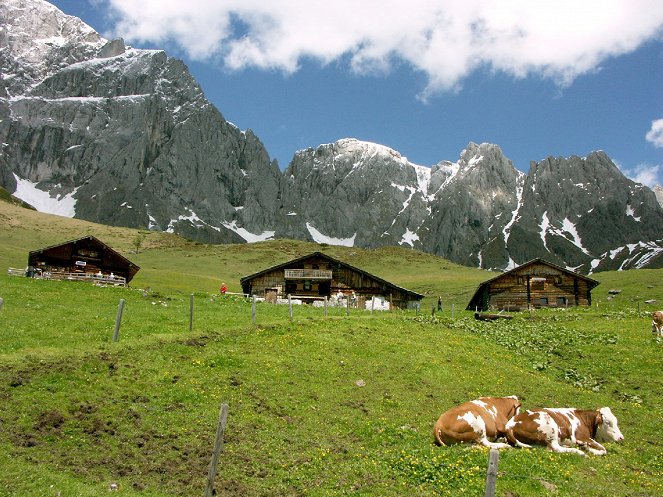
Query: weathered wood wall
x,y
344,279
538,286
63,258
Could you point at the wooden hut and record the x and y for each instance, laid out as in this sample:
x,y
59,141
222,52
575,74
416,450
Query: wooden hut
x,y
317,275
82,259
535,284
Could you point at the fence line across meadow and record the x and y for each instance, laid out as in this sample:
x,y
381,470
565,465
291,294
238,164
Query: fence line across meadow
x,y
58,275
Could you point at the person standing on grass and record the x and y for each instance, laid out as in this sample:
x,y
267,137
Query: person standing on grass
x,y
223,288
439,303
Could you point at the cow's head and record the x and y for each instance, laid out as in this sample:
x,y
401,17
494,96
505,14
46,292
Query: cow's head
x,y
607,430
514,406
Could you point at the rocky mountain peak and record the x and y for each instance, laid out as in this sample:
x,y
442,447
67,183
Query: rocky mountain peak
x,y
125,135
113,48
40,39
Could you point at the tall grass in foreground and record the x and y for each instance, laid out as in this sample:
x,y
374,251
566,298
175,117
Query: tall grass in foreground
x,y
336,405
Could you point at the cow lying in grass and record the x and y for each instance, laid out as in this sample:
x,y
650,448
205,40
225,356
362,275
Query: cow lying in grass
x,y
560,429
480,421
657,324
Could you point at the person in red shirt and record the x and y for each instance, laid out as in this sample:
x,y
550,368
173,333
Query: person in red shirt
x,y
224,288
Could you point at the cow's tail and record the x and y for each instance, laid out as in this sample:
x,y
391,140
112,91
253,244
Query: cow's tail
x,y
438,439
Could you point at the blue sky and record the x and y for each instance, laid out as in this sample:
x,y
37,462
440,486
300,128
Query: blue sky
x,y
423,77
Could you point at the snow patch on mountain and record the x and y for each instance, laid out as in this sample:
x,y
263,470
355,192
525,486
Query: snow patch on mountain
x,y
567,230
192,217
423,178
60,205
570,228
515,215
631,212
637,255
247,235
545,224
322,238
409,237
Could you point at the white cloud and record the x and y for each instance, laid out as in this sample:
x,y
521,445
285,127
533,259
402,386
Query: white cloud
x,y
645,174
444,39
655,134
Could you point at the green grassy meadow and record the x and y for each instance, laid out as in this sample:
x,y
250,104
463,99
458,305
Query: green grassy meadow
x,y
318,405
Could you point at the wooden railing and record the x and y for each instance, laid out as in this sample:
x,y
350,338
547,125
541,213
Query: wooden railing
x,y
57,275
308,274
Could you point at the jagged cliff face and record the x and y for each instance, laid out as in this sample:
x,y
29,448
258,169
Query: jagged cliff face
x,y
581,213
126,137
354,193
472,211
126,133
588,215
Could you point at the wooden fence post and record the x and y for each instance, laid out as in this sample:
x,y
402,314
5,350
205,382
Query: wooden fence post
x,y
118,320
2,303
290,306
347,306
491,474
218,444
253,310
325,306
191,312
452,310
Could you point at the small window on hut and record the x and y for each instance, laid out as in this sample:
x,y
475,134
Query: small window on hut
x,y
307,285
543,301
561,301
538,284
83,252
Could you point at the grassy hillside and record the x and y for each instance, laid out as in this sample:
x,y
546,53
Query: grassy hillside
x,y
170,263
320,405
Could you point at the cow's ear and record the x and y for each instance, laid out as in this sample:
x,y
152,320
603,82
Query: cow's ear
x,y
599,418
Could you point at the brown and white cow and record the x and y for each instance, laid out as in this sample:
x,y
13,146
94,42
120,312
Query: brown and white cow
x,y
479,421
560,429
657,324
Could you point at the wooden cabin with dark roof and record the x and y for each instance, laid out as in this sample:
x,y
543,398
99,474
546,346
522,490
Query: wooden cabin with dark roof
x,y
85,258
535,284
317,275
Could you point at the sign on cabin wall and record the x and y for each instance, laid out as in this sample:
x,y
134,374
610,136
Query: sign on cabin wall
x,y
81,263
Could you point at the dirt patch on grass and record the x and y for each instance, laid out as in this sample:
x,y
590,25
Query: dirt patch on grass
x,y
50,422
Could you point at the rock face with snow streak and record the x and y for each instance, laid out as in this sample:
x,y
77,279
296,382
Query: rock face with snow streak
x,y
588,215
128,131
580,213
472,211
356,192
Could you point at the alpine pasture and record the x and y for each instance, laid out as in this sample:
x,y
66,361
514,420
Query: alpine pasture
x,y
318,405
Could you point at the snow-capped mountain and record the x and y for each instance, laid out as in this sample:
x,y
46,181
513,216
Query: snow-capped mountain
x,y
122,136
581,213
93,129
